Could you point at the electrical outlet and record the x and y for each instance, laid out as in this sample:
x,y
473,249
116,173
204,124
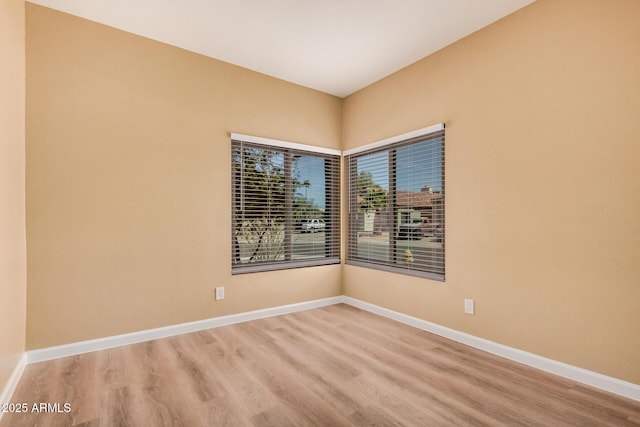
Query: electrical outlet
x,y
469,306
219,293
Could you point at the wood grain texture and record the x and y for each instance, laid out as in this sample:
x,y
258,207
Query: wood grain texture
x,y
332,366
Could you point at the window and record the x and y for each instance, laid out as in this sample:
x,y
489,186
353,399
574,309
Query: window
x,y
285,203
397,204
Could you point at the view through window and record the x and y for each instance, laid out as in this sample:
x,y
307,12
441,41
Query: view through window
x,y
397,205
285,207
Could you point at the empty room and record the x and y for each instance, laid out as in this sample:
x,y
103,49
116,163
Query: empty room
x,y
330,213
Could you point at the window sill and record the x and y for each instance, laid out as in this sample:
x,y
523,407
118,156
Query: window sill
x,y
397,270
285,265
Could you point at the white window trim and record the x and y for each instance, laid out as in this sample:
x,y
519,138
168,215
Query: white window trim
x,y
285,144
324,150
394,139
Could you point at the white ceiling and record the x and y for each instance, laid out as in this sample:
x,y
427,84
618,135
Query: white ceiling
x,y
335,46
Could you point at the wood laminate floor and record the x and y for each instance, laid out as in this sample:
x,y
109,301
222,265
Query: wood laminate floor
x,y
332,366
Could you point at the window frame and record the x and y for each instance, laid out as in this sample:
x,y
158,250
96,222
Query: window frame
x,y
389,146
332,204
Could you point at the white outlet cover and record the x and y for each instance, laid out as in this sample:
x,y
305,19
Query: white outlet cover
x,y
469,306
219,293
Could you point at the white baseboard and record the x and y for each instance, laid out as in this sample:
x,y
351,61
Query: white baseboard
x,y
12,383
65,350
594,379
603,382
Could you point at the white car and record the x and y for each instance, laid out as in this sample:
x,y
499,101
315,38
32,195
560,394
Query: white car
x,y
311,225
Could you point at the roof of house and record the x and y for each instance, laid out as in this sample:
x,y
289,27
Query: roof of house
x,y
417,199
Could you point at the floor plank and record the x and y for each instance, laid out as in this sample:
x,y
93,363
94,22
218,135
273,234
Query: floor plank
x,y
332,366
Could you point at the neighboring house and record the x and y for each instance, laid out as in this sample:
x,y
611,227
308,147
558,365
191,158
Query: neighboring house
x,y
427,202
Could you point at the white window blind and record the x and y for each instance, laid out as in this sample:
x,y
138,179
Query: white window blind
x,y
397,206
286,207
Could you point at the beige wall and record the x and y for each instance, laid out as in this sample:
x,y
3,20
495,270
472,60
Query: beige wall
x,y
13,268
128,180
543,184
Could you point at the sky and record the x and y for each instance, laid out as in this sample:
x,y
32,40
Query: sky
x,y
418,165
312,169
